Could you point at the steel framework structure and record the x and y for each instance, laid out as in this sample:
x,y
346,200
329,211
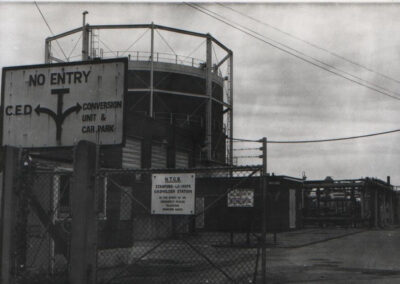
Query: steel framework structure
x,y
211,69
366,201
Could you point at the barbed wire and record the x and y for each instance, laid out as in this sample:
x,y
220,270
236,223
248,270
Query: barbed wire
x,y
250,156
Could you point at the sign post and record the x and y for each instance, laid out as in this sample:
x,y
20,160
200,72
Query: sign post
x,y
9,213
83,212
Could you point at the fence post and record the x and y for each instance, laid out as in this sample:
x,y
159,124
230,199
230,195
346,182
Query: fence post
x,y
8,214
83,211
376,207
264,183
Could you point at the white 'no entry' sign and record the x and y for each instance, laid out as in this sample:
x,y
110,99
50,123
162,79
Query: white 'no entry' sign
x,y
53,105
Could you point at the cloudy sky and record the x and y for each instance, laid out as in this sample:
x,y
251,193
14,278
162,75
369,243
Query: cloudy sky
x,y
276,94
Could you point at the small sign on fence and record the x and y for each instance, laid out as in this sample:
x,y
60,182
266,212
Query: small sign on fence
x,y
173,194
240,197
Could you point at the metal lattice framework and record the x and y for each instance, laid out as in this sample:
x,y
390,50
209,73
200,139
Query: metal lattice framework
x,y
90,40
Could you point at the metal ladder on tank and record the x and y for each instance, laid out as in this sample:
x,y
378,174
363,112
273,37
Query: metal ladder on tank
x,y
94,44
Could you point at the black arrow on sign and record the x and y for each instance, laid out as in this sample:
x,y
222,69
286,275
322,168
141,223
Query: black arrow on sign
x,y
76,108
60,116
45,110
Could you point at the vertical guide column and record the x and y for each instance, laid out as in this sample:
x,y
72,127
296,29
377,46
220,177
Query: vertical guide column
x,y
8,214
151,110
47,51
209,97
83,211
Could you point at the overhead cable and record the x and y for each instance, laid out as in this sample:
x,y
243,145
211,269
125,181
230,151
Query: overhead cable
x,y
48,26
310,43
331,139
318,140
301,53
297,56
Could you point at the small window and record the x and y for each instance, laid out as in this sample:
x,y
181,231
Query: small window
x,y
181,160
132,154
159,156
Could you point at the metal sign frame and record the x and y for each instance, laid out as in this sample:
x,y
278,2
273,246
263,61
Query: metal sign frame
x,y
123,61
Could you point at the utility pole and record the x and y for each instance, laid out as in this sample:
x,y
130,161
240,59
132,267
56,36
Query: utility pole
x,y
264,183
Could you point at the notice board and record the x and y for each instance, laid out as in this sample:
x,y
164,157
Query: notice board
x,y
173,194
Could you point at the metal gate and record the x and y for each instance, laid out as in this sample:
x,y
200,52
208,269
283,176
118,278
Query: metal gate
x,y
135,246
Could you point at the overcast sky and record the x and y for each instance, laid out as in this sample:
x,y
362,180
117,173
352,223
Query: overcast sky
x,y
275,94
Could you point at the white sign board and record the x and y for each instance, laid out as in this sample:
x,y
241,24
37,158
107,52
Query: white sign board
x,y
173,194
59,104
240,197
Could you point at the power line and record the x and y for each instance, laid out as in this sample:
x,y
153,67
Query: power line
x,y
310,43
297,56
302,53
331,139
303,141
319,140
48,26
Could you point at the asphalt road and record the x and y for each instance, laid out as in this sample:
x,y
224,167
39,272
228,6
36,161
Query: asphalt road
x,y
368,257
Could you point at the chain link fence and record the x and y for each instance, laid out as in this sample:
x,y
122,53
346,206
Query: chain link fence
x,y
218,243
41,234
